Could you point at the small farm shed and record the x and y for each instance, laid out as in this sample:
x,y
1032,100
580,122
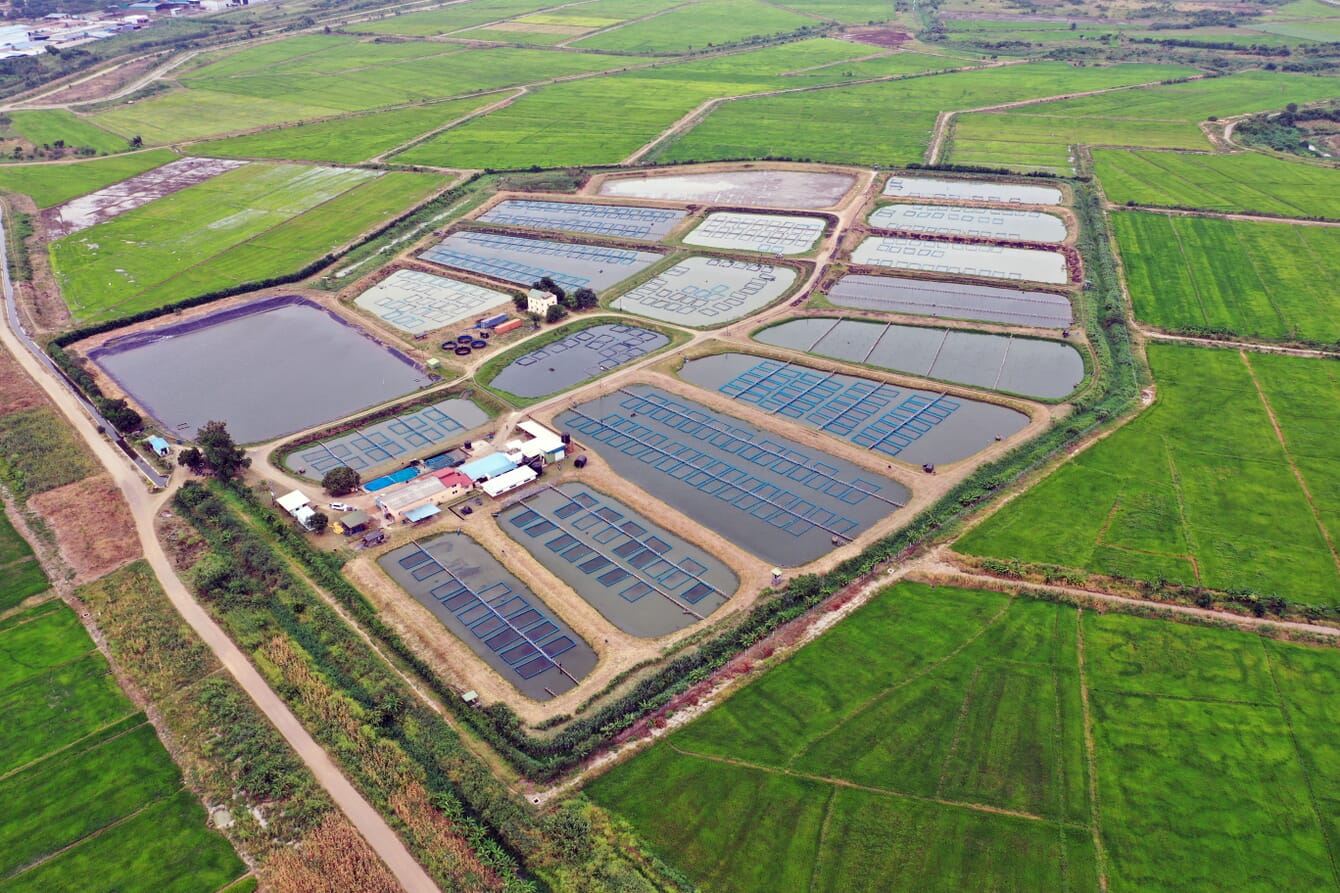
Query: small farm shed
x,y
160,447
543,442
353,522
293,502
509,481
539,301
422,513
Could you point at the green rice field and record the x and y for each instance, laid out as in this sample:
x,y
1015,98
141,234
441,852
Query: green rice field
x,y
1247,182
50,185
1198,489
1261,280
454,18
20,574
251,223
935,740
47,127
695,26
93,801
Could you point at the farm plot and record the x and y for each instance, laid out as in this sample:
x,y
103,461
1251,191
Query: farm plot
x,y
20,573
493,612
885,123
113,201
615,221
935,741
914,426
976,223
579,357
707,291
397,439
81,769
346,140
51,184
1245,182
1027,366
453,18
954,300
749,485
525,261
1272,281
310,366
759,189
988,261
1214,499
638,575
703,24
47,127
418,302
998,191
763,233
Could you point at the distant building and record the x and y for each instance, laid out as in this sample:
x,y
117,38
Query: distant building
x,y
160,447
539,302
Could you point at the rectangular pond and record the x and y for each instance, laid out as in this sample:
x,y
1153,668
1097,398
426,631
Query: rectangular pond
x,y
905,423
417,302
708,291
579,357
641,577
619,221
764,233
759,189
953,300
493,612
990,261
972,190
771,496
387,441
523,261
977,223
1027,366
267,368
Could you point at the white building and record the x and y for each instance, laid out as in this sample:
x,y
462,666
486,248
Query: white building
x,y
539,302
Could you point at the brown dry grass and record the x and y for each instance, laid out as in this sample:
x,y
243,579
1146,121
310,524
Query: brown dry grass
x,y
17,390
93,526
332,859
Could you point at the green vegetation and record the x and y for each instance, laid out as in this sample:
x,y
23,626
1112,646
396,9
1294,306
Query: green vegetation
x,y
249,224
453,18
699,26
92,797
48,127
1203,275
51,184
39,452
1247,182
345,140
935,741
20,574
886,123
1198,490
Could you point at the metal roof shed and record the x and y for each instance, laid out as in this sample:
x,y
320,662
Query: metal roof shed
x,y
292,502
414,516
504,483
490,466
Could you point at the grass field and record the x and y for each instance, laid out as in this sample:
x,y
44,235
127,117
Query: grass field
x,y
39,452
454,18
1198,489
251,223
345,140
935,741
46,127
52,184
92,798
20,574
883,123
698,26
1247,182
1263,280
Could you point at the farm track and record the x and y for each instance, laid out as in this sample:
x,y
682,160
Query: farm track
x,y
1223,215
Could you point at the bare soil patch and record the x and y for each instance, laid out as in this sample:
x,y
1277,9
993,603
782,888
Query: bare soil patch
x,y
93,526
17,390
103,205
104,85
877,36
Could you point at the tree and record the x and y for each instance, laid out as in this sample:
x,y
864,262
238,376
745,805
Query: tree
x,y
519,301
137,142
122,417
318,522
341,480
224,458
584,299
549,285
555,313
192,458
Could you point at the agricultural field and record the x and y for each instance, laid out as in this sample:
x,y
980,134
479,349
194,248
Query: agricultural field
x,y
935,741
345,140
883,123
453,18
94,800
698,26
50,185
47,127
251,223
1247,182
20,574
1274,281
39,452
1198,489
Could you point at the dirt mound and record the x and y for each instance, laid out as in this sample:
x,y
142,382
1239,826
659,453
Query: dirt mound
x,y
877,36
93,526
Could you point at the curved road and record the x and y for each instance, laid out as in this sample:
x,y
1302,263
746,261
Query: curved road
x,y
145,507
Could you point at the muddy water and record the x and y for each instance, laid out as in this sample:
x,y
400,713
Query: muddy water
x,y
758,189
953,300
267,369
891,420
1027,366
638,575
580,356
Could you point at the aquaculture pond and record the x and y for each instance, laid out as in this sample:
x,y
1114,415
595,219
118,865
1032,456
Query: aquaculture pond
x,y
990,261
617,221
764,233
972,190
1028,366
953,300
417,302
523,261
572,360
1005,224
758,189
708,291
266,368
